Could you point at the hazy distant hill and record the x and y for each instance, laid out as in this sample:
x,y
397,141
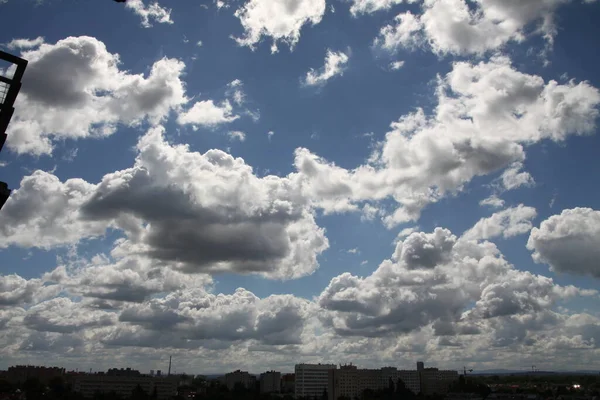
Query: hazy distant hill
x,y
525,372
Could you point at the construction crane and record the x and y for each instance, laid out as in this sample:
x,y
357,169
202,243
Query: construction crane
x,y
465,371
9,89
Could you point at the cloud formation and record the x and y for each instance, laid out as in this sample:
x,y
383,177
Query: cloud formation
x,y
569,242
485,116
282,21
335,64
506,223
200,213
148,13
458,27
75,89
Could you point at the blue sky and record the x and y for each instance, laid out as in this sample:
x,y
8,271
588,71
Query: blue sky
x,y
115,227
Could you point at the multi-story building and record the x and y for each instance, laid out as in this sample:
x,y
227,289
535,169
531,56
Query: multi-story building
x,y
350,381
288,383
343,382
311,379
239,377
123,372
410,378
270,382
435,381
123,386
447,378
20,373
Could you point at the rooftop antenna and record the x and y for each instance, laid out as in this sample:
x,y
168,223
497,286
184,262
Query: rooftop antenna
x,y
169,373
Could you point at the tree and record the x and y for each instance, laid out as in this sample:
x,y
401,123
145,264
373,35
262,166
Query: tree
x,y
138,393
325,395
58,389
34,389
6,386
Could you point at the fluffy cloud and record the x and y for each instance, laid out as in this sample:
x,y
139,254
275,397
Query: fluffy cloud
x,y
461,28
25,43
237,135
438,295
126,278
405,33
396,65
207,113
422,250
45,212
492,201
280,20
16,291
200,213
62,315
370,6
513,178
486,114
431,281
506,223
151,12
335,64
197,315
569,242
75,89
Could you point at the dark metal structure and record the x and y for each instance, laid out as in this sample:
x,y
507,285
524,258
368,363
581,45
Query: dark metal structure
x,y
9,89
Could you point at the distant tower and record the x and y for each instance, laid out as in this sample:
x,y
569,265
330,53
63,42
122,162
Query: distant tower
x,y
151,372
420,366
169,373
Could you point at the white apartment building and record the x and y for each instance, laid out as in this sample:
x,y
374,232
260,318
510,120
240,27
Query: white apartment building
x,y
311,379
87,385
270,382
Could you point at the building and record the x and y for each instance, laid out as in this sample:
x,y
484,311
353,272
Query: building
x,y
410,378
20,373
88,385
288,383
434,381
311,379
9,89
270,382
239,377
447,378
350,382
123,372
343,382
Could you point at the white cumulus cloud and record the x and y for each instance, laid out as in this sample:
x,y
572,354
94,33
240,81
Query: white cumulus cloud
x,y
335,64
280,20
